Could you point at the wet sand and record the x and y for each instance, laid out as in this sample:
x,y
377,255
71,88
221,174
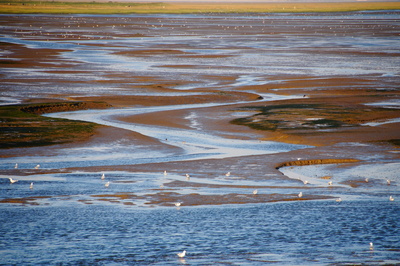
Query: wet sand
x,y
340,98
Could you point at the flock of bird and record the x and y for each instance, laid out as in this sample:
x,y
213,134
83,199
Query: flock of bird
x,y
178,204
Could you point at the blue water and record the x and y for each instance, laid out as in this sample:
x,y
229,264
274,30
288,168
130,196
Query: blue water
x,y
299,233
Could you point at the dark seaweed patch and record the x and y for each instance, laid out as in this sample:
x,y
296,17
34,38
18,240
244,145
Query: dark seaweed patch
x,y
306,116
22,126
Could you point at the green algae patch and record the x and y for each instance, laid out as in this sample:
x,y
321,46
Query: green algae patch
x,y
395,142
291,116
303,117
22,126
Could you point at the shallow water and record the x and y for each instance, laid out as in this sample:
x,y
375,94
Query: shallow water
x,y
70,218
194,144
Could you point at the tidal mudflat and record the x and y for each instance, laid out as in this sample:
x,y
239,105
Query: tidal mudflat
x,y
276,133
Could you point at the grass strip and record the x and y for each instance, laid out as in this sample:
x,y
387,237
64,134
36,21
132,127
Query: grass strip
x,y
71,7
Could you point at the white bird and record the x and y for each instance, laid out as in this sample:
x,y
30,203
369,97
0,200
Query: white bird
x,y
300,194
391,198
165,172
366,180
305,182
187,177
12,181
16,166
255,192
107,184
177,204
103,176
388,182
181,254
31,186
371,246
339,200
37,166
228,174
330,183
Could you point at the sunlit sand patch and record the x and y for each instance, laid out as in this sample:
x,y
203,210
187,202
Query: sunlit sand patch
x,y
315,162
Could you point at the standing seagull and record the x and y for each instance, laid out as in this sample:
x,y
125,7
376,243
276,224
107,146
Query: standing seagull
x,y
31,186
16,166
255,192
103,176
12,181
228,174
165,172
391,198
371,246
37,166
187,177
300,194
107,184
181,254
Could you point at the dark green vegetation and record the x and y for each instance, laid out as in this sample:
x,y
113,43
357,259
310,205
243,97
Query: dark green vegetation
x,y
22,125
308,116
290,116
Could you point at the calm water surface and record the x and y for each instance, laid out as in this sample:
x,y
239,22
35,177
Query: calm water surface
x,y
300,233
